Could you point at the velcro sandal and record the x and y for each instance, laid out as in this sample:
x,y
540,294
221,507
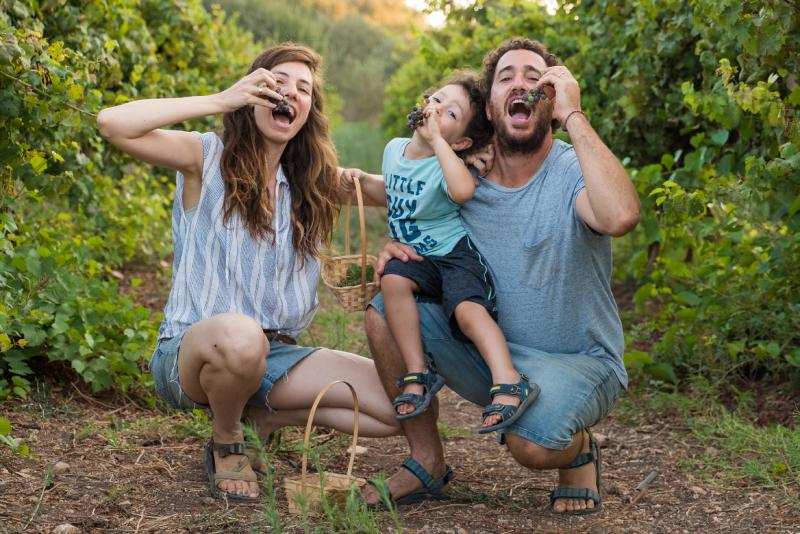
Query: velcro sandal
x,y
430,381
527,393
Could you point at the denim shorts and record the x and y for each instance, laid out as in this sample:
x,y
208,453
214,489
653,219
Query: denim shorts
x,y
164,368
577,390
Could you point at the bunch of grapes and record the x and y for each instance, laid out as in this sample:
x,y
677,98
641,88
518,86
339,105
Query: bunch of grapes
x,y
283,103
415,118
533,96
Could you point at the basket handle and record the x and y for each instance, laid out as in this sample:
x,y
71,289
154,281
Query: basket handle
x,y
363,228
310,422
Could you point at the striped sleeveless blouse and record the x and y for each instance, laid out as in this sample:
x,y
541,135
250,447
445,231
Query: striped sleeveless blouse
x,y
219,268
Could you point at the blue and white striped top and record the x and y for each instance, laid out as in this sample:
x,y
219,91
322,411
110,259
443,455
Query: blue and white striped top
x,y
219,268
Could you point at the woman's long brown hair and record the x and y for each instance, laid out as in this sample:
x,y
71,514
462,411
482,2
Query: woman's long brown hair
x,y
309,163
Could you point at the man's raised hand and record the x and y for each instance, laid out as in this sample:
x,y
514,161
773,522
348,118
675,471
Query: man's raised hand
x,y
562,88
393,249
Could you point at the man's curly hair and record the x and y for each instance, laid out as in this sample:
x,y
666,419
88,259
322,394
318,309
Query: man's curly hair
x,y
515,43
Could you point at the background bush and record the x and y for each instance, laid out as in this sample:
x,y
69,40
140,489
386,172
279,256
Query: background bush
x,y
700,99
73,208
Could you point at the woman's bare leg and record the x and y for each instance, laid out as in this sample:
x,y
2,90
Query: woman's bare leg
x,y
221,363
294,394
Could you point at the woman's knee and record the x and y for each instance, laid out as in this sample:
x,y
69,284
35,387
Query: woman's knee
x,y
239,344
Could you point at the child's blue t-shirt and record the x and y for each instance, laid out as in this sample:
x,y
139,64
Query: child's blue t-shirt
x,y
420,212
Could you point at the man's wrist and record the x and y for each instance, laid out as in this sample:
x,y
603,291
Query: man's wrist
x,y
570,115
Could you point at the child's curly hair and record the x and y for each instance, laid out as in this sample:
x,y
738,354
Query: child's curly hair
x,y
479,129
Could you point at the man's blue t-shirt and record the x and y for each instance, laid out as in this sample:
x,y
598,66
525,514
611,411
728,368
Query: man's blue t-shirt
x,y
551,271
420,212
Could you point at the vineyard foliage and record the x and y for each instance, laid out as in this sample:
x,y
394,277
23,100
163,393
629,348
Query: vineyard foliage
x,y
700,99
74,209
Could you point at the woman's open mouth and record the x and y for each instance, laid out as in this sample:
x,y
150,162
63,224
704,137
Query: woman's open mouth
x,y
283,115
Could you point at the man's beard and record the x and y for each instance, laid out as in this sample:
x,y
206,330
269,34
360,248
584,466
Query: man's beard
x,y
509,144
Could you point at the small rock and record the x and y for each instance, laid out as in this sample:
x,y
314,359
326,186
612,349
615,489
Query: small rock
x,y
359,449
480,506
60,467
66,528
208,500
697,490
601,439
460,530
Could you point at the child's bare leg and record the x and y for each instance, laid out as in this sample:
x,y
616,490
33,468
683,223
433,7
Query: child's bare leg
x,y
476,323
403,319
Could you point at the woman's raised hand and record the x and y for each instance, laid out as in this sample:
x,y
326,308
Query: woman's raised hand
x,y
255,89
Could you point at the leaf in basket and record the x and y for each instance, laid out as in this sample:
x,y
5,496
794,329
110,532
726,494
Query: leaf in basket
x,y
353,276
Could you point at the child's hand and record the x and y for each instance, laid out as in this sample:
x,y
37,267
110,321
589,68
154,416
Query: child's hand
x,y
482,160
251,90
429,130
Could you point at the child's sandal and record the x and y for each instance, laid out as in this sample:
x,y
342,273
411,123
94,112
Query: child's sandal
x,y
430,381
526,392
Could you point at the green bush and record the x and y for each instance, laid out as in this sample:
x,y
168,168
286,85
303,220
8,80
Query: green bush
x,y
74,208
700,100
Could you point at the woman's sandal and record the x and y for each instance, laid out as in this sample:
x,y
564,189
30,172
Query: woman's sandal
x,y
431,382
508,413
215,477
593,456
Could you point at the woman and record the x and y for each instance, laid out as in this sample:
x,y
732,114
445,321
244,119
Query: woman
x,y
250,213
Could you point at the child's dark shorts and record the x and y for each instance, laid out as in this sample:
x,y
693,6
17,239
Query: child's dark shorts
x,y
461,275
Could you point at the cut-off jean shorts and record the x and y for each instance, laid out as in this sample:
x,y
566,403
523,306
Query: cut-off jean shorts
x,y
164,368
577,390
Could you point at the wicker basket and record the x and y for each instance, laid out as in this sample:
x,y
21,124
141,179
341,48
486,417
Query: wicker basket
x,y
307,490
334,268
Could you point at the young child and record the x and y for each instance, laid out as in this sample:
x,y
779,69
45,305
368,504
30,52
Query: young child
x,y
426,182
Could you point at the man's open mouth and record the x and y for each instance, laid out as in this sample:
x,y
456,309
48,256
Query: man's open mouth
x,y
518,109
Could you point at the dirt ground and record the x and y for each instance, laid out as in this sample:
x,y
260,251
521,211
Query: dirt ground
x,y
127,467
129,471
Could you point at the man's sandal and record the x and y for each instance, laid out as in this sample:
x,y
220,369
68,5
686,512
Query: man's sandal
x,y
431,383
526,392
593,456
215,477
431,490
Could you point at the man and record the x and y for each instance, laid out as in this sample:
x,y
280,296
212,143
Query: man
x,y
543,218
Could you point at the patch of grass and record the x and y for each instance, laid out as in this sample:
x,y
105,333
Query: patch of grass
x,y
451,432
195,424
740,453
87,431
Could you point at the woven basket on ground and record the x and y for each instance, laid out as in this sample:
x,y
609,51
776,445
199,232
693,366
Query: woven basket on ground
x,y
308,490
335,268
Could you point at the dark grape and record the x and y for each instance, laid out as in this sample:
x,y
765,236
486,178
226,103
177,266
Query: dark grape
x,y
415,118
533,96
283,103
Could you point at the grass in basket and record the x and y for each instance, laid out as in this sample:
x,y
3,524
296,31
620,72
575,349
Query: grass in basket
x,y
353,275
